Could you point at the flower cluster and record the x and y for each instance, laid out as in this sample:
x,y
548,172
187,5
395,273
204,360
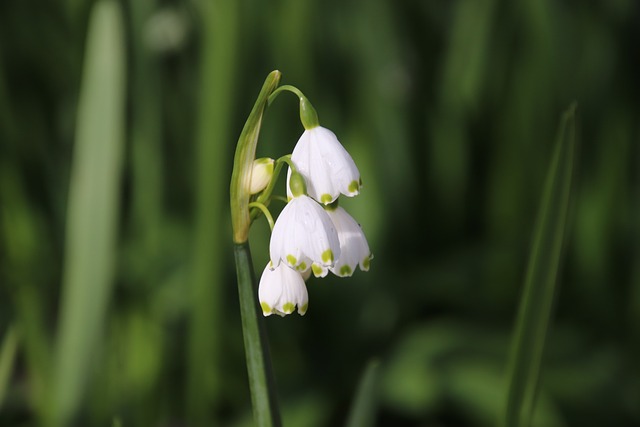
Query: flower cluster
x,y
313,234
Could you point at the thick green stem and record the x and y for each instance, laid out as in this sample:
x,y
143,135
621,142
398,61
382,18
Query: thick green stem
x,y
256,346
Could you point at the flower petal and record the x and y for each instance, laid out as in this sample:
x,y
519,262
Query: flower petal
x,y
326,166
282,289
304,234
319,270
353,244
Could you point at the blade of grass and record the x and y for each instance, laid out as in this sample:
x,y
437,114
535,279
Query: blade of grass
x,y
146,134
363,409
7,358
540,281
22,246
92,210
217,74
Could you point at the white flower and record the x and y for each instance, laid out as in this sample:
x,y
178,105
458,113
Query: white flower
x,y
261,173
304,234
354,249
281,289
326,166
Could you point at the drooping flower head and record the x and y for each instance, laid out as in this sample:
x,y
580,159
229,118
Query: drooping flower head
x,y
326,166
354,249
281,290
311,234
303,233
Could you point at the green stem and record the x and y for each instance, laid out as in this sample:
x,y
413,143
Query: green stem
x,y
261,380
281,199
308,115
264,210
287,88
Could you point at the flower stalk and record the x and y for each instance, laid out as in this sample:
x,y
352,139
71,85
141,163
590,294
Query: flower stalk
x,y
308,115
261,379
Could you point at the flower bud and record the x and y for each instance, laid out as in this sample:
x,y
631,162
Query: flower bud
x,y
297,186
308,115
261,174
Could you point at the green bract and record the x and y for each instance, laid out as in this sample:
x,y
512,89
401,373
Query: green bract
x,y
240,190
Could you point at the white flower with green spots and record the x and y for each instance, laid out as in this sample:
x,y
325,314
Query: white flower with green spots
x,y
281,290
354,249
304,234
326,166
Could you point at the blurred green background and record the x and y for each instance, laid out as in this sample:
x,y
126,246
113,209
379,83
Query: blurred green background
x,y
449,108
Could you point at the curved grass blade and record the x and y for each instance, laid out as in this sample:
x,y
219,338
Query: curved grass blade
x,y
7,359
540,281
92,211
363,409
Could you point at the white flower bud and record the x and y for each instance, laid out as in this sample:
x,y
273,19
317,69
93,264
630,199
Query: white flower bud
x,y
261,174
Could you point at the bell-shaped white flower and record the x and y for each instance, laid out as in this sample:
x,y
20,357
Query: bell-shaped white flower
x,y
354,249
303,233
326,166
281,290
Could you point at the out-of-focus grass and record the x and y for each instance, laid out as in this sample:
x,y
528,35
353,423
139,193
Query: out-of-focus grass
x,y
534,313
93,207
449,109
219,66
365,400
8,351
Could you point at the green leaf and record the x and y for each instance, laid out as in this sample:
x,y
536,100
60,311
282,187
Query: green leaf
x,y
92,211
363,409
540,281
7,358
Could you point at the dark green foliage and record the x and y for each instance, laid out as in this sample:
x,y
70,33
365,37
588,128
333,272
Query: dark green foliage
x,y
450,109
